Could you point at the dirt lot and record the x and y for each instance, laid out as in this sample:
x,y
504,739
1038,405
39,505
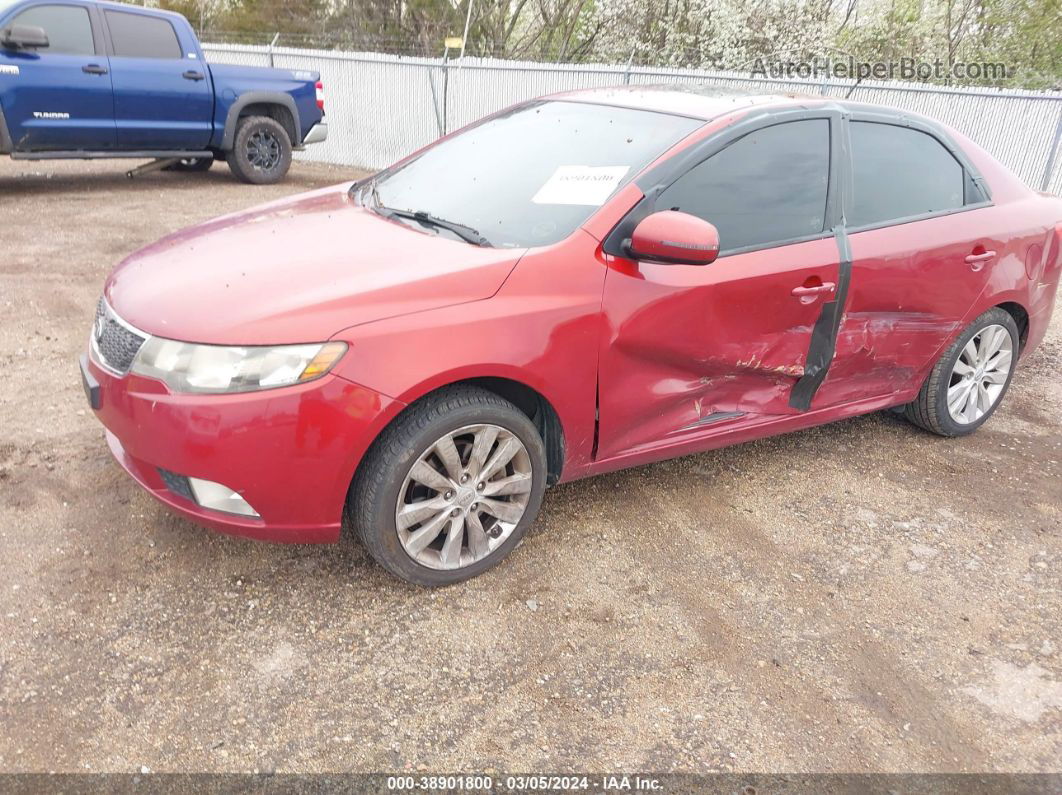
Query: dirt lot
x,y
860,597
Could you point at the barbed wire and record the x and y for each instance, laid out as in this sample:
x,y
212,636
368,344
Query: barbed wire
x,y
426,45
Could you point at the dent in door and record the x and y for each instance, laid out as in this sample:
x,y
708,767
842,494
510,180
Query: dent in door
x,y
688,342
912,292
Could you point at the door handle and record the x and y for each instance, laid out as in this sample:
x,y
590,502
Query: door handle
x,y
825,287
191,74
94,69
977,261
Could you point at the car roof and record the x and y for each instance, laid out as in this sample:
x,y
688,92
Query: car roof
x,y
698,101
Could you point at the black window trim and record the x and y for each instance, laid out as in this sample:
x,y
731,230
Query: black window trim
x,y
98,42
138,11
839,197
976,193
660,177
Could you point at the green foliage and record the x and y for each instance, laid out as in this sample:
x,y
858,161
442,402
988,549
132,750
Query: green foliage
x,y
1025,35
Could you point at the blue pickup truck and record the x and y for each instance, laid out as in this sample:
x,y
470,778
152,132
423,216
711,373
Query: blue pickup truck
x,y
85,79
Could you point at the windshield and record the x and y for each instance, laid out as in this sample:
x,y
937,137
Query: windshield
x,y
530,177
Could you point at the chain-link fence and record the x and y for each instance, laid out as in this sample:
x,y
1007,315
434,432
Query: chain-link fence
x,y
382,107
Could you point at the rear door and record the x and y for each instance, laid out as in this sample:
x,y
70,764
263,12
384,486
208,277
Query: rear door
x,y
163,95
695,350
58,97
923,243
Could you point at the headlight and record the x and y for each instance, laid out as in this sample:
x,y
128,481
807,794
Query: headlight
x,y
186,367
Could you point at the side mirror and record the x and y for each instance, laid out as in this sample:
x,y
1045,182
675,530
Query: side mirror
x,y
23,37
674,238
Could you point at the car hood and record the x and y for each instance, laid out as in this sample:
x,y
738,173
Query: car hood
x,y
297,270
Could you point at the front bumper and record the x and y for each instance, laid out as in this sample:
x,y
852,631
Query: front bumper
x,y
289,452
317,134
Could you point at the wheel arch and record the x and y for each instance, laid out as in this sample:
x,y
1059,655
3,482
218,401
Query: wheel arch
x,y
1021,320
538,409
529,400
262,103
6,145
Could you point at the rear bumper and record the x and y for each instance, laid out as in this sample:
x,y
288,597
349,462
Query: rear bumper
x,y
290,453
317,134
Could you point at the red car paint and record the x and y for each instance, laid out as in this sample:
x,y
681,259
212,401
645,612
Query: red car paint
x,y
639,361
670,236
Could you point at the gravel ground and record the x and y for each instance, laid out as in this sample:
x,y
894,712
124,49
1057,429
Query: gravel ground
x,y
859,597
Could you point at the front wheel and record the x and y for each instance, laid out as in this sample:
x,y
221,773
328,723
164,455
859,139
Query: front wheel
x,y
261,151
450,488
969,381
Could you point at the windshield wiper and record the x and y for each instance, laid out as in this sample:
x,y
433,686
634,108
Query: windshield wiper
x,y
466,233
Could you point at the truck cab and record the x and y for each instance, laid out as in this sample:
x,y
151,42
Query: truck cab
x,y
83,79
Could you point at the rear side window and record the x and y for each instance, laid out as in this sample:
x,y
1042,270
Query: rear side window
x,y
899,172
68,28
139,36
767,187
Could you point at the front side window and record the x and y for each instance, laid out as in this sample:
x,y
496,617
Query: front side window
x,y
898,172
139,36
767,187
68,28
531,176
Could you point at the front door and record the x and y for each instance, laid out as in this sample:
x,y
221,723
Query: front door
x,y
694,349
163,94
57,97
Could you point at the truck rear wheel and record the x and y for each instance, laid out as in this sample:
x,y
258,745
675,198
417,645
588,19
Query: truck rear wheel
x,y
261,151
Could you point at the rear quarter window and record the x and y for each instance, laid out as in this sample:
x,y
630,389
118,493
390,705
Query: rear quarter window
x,y
898,172
141,36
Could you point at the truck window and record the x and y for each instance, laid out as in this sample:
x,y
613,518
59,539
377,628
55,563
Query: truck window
x,y
140,36
68,28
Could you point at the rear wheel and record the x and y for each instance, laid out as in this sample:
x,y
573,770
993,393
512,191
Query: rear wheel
x,y
261,151
968,383
450,488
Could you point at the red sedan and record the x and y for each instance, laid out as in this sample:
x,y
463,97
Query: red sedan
x,y
574,285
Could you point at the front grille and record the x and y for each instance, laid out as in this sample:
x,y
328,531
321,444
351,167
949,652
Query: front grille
x,y
178,484
116,344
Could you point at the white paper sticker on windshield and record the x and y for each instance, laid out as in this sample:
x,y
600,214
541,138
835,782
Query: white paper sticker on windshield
x,y
588,185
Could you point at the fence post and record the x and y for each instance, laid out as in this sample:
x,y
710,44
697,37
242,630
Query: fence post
x,y
627,71
1053,153
446,93
272,44
440,115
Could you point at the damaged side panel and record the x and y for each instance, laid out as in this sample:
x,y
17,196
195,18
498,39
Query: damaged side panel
x,y
696,349
908,300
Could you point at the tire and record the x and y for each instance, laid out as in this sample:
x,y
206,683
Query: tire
x,y
930,410
385,484
261,151
191,165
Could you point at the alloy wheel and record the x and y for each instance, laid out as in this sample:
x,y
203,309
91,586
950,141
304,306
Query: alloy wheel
x,y
980,374
464,496
263,150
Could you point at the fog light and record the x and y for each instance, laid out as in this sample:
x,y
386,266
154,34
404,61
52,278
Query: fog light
x,y
220,498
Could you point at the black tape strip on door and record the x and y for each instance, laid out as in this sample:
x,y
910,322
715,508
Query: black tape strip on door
x,y
824,335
